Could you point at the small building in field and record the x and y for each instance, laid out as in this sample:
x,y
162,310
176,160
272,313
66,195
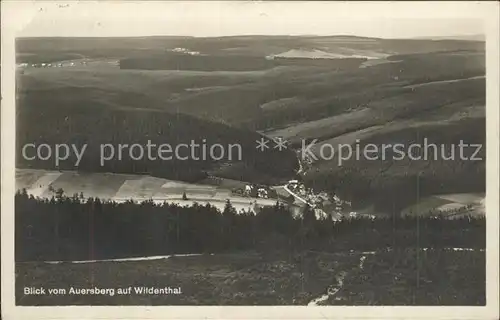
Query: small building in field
x,y
262,193
248,188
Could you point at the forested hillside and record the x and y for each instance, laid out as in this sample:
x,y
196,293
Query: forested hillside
x,y
62,119
71,228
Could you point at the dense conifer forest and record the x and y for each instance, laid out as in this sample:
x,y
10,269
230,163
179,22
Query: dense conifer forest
x,y
73,228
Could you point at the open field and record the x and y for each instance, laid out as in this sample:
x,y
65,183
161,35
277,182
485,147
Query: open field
x,y
310,278
123,187
470,203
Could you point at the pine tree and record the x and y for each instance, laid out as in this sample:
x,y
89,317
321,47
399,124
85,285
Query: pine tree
x,y
59,194
229,210
308,215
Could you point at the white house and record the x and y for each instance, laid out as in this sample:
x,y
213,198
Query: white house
x,y
248,189
262,193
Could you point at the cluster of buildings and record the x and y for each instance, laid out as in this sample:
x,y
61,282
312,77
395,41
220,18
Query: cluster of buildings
x,y
319,200
186,51
50,65
307,194
256,191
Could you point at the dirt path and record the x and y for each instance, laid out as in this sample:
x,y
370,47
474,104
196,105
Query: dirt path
x,y
331,291
335,288
128,259
442,81
296,196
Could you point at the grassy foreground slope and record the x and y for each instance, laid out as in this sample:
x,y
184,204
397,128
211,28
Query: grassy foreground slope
x,y
270,258
440,278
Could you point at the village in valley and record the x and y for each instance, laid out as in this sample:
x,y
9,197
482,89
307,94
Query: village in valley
x,y
296,193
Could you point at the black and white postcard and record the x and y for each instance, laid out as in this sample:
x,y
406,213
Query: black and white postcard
x,y
249,159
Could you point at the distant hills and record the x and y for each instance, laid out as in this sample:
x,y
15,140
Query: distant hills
x,y
48,49
471,37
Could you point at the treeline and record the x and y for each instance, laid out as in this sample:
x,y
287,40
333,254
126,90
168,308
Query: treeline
x,y
73,228
173,61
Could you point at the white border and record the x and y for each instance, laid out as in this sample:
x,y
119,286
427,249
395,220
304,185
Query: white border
x,y
15,15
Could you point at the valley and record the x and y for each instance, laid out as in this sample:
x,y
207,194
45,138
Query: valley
x,y
419,92
264,224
